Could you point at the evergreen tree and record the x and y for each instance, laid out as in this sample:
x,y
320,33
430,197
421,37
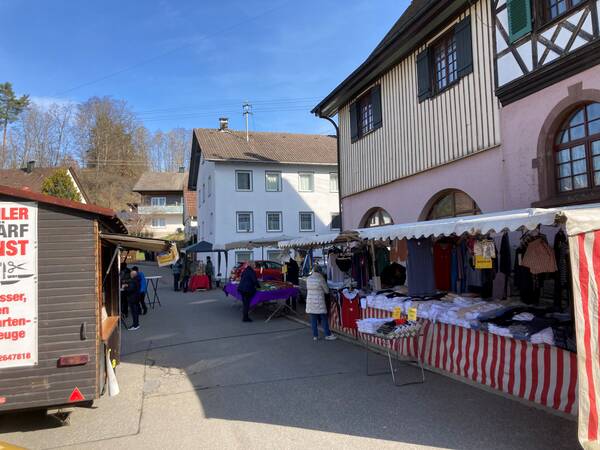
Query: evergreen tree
x,y
10,108
60,185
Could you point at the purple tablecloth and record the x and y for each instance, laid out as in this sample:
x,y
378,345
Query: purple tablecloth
x,y
262,296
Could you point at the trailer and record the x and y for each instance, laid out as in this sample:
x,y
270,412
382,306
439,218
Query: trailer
x,y
59,299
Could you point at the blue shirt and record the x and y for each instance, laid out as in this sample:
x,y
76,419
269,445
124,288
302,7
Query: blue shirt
x,y
143,282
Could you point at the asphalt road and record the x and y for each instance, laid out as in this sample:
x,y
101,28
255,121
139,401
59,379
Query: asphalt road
x,y
195,376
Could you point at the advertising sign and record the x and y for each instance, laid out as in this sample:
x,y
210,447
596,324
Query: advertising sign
x,y
18,285
169,257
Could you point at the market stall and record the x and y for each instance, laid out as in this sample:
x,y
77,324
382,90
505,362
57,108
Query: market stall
x,y
199,280
269,292
508,300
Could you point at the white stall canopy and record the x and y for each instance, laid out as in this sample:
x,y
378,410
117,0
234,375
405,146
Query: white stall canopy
x,y
320,240
270,241
578,219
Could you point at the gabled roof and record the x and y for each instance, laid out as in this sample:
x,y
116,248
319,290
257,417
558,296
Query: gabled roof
x,y
262,147
161,182
419,20
269,147
25,194
34,179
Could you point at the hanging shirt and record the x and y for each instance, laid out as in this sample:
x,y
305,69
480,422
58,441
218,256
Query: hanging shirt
x,y
420,268
539,258
442,259
350,308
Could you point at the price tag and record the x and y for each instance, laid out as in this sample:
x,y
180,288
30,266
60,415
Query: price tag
x,y
397,313
412,314
482,262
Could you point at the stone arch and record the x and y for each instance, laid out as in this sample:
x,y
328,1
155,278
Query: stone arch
x,y
378,215
450,195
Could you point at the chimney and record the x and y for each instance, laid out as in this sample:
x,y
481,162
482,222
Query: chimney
x,y
30,166
223,123
181,169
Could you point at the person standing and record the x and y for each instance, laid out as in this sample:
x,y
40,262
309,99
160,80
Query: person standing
x,y
143,289
185,274
316,288
132,290
248,287
292,276
176,268
210,271
124,277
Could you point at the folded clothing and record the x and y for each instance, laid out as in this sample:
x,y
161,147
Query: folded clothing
x,y
370,325
546,336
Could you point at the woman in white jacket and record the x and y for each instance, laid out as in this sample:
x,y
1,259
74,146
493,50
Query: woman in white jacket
x,y
316,288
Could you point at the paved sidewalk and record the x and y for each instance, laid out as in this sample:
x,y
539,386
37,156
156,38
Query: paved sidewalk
x,y
195,376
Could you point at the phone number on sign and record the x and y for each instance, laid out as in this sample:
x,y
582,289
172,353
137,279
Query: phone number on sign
x,y
15,356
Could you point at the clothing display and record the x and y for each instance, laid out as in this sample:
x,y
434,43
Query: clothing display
x,y
334,273
382,259
442,263
539,257
420,268
350,308
398,251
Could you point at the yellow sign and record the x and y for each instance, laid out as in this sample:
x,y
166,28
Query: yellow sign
x,y
397,313
481,262
412,314
168,258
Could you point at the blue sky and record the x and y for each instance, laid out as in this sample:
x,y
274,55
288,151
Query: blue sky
x,y
184,63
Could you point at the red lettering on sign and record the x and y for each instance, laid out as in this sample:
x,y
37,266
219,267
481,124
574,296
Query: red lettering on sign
x,y
14,247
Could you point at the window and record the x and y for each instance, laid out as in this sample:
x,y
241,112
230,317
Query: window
x,y
306,182
365,113
273,181
336,221
444,54
203,193
551,9
453,204
159,223
243,180
245,222
274,222
377,217
158,201
445,62
333,182
519,19
277,256
242,257
307,221
209,186
578,150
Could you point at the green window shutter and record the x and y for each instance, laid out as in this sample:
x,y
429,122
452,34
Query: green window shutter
x,y
354,122
464,47
519,18
376,102
424,75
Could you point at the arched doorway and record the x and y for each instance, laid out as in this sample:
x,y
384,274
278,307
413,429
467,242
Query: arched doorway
x,y
450,203
376,217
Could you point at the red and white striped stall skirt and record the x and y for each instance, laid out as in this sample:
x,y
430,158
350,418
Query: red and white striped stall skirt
x,y
539,373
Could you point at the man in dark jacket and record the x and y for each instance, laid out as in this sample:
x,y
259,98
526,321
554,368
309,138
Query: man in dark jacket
x,y
293,272
132,293
247,287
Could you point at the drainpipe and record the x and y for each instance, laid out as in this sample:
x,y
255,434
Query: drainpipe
x,y
337,137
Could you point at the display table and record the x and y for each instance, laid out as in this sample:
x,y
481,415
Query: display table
x,y
153,297
540,373
276,295
198,282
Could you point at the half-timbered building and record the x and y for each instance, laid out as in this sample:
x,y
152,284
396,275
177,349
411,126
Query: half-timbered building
x,y
548,81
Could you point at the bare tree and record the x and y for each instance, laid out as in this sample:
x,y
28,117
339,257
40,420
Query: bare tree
x,y
43,135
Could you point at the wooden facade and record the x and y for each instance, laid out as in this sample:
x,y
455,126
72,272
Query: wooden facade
x,y
536,48
73,290
416,136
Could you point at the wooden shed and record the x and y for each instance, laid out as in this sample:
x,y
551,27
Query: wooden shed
x,y
59,299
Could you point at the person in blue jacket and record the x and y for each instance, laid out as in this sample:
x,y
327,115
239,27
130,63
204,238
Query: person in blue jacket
x,y
143,289
248,287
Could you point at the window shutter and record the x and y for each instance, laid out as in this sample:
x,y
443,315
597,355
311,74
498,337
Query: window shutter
x,y
519,18
464,47
353,122
424,75
376,102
